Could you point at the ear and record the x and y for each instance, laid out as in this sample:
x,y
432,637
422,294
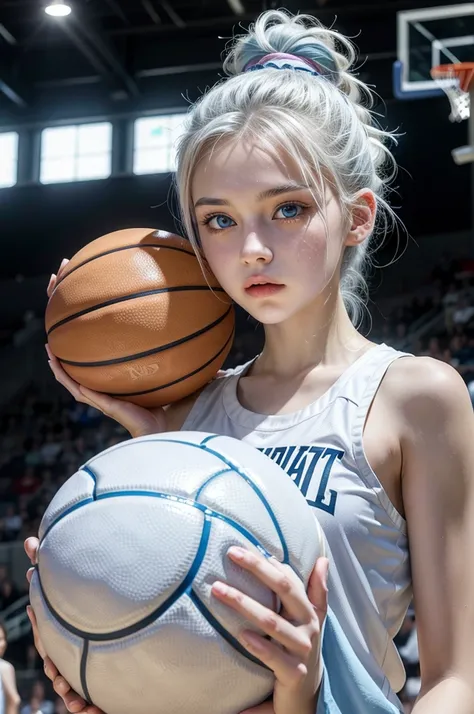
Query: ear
x,y
363,214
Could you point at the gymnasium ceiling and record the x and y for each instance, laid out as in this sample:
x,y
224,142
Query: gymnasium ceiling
x,y
113,56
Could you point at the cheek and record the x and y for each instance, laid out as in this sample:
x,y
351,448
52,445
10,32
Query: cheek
x,y
217,255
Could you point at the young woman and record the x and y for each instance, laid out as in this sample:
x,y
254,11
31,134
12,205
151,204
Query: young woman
x,y
281,178
9,697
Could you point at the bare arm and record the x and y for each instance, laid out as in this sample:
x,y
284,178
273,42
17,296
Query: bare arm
x,y
12,698
437,428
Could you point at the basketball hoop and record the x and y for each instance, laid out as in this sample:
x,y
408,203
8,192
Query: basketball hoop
x,y
457,80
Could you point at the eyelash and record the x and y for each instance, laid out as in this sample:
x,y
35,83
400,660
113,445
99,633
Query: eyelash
x,y
209,216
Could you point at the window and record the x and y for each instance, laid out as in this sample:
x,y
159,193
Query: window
x,y
155,143
76,153
8,159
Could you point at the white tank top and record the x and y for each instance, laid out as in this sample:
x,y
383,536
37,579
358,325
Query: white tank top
x,y
321,449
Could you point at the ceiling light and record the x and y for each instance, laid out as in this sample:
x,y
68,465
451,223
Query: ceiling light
x,y
58,8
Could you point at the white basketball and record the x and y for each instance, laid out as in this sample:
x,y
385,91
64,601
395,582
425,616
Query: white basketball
x,y
129,549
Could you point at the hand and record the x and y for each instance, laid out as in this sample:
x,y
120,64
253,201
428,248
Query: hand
x,y
138,421
293,653
73,701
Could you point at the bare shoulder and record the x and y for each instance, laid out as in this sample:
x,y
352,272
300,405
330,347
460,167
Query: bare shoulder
x,y
423,386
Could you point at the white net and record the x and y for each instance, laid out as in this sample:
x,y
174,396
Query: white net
x,y
455,82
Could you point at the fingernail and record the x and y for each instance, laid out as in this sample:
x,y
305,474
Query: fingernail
x,y
220,588
62,685
236,552
63,262
251,641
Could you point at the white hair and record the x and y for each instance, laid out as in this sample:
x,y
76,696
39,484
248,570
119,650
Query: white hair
x,y
323,122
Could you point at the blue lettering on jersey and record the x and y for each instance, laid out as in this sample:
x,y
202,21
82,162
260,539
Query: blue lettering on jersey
x,y
310,468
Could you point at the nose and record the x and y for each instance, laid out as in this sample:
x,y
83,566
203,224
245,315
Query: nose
x,y
254,251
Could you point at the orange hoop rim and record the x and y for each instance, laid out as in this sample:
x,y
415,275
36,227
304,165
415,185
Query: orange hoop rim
x,y
464,71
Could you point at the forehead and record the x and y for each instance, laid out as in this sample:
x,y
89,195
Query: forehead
x,y
233,164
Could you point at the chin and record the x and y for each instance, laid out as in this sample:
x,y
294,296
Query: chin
x,y
268,315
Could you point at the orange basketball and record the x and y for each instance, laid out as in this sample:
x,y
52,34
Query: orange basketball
x,y
133,316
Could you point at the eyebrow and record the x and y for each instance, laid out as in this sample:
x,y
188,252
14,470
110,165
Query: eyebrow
x,y
269,193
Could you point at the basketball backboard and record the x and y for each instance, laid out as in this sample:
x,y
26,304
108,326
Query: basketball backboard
x,y
429,37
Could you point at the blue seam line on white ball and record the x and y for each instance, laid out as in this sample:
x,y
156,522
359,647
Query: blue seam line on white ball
x,y
94,478
153,616
242,474
83,671
168,497
216,625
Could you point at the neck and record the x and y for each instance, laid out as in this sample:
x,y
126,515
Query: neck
x,y
321,334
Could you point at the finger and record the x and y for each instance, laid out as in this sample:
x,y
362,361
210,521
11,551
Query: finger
x,y
36,636
73,701
280,579
50,669
51,285
296,639
102,402
318,589
64,262
29,574
31,549
65,379
265,708
288,669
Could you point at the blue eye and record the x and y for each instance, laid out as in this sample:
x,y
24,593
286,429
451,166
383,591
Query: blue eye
x,y
221,221
290,210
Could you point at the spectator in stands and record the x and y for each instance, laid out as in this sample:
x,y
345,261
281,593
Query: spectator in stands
x,y
450,302
8,677
9,594
12,523
33,707
38,697
60,707
464,312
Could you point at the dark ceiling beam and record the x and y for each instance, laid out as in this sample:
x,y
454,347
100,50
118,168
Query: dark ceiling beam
x,y
236,6
7,35
177,19
152,12
118,10
10,86
326,15
101,56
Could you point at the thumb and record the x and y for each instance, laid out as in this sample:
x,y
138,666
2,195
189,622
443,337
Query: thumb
x,y
318,588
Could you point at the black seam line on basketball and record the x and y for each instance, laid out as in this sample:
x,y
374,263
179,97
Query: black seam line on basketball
x,y
157,613
216,625
124,247
155,350
132,296
93,476
176,381
83,670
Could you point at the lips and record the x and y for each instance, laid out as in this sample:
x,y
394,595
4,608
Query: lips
x,y
260,286
260,280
